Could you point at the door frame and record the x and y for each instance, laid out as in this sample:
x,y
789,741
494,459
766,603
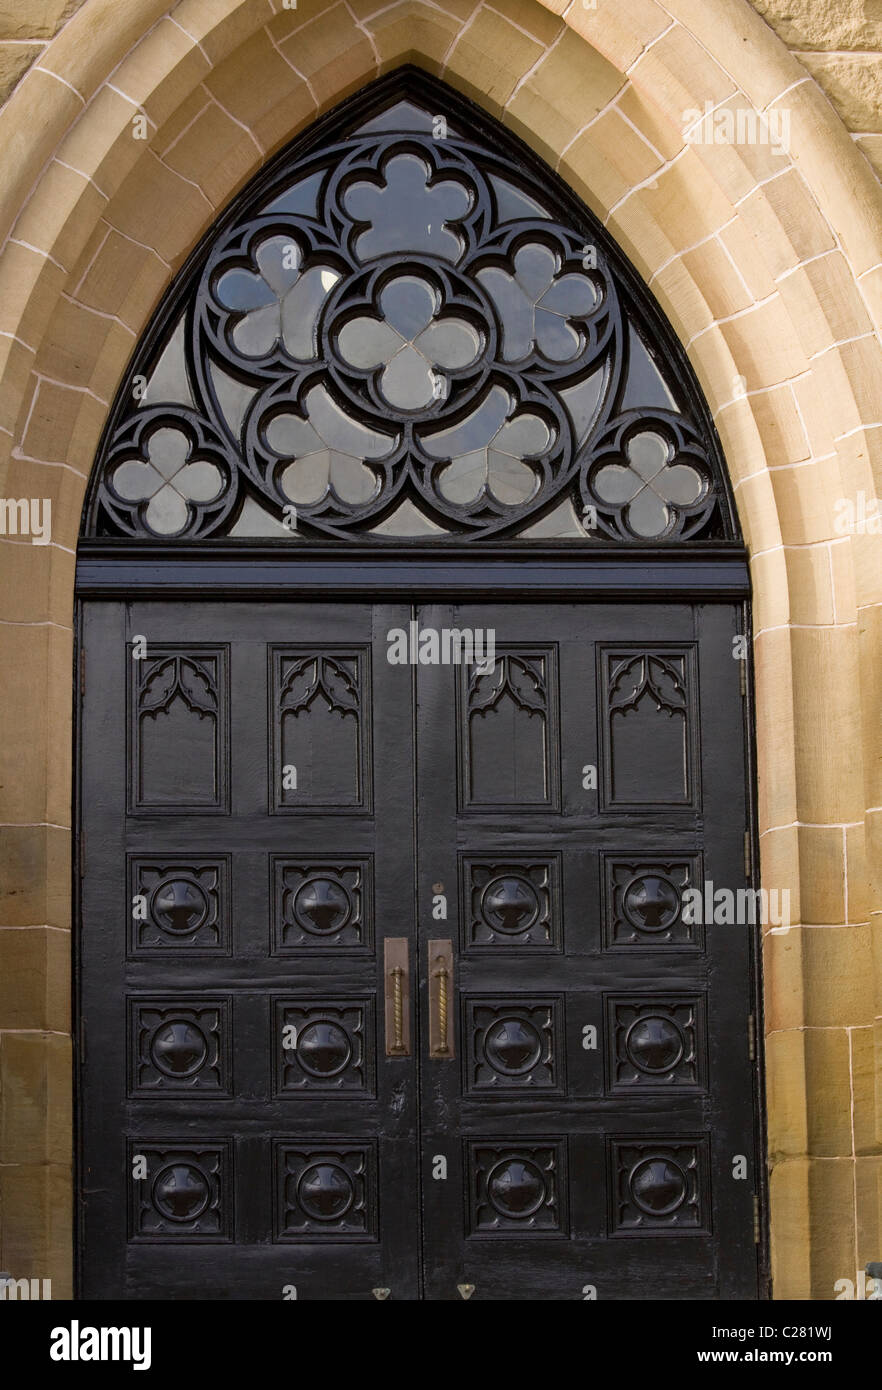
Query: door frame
x,y
417,571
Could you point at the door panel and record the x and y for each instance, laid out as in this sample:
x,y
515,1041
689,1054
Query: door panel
x,y
384,977
601,1085
230,954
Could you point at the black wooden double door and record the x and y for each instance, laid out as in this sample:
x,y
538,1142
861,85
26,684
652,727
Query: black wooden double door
x,y
388,982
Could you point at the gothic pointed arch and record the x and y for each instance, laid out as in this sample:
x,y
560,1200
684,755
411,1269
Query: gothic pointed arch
x,y
406,326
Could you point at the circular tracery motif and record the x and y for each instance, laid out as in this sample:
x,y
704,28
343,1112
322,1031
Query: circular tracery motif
x,y
409,344
166,481
407,316
277,302
539,307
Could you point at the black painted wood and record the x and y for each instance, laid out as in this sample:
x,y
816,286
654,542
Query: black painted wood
x,y
114,569
269,915
431,802
546,1138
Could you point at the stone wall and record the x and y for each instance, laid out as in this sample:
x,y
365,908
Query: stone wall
x,y
839,43
769,265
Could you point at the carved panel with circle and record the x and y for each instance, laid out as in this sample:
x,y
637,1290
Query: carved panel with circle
x,y
180,1046
320,906
517,1189
331,1047
179,905
656,1043
643,902
510,904
326,1192
186,1192
513,1044
659,1186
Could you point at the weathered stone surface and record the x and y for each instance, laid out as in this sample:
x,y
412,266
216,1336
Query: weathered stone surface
x,y
34,19
34,881
35,1223
834,24
15,59
790,1199
838,976
35,1108
872,148
35,978
853,82
831,1200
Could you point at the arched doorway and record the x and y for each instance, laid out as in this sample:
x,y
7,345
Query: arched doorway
x,y
413,748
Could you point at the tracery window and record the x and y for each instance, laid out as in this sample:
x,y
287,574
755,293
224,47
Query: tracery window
x,y
404,327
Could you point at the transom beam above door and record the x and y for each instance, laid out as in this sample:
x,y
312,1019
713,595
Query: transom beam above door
x,y
110,569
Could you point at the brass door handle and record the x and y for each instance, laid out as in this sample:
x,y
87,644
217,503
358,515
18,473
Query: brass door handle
x,y
397,988
441,1044
397,1010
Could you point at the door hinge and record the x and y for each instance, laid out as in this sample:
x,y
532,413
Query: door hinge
x,y
742,677
82,671
748,860
756,1220
751,1036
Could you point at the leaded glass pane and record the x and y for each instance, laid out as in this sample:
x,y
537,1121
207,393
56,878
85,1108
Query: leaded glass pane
x,y
234,397
560,524
407,212
168,380
646,388
406,328
167,512
301,199
402,116
512,203
255,521
583,401
406,520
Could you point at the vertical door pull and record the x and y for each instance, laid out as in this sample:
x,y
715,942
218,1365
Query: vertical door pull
x,y
441,1044
397,985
